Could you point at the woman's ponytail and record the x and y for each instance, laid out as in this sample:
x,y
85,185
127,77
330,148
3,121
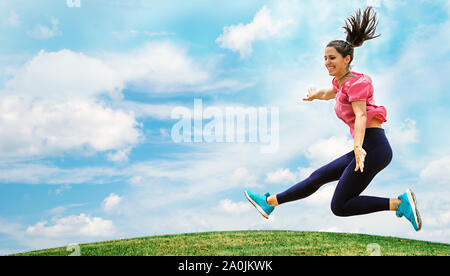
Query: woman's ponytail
x,y
360,28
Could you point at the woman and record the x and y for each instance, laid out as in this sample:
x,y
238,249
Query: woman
x,y
355,106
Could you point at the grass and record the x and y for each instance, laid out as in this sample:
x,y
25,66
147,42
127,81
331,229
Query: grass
x,y
254,243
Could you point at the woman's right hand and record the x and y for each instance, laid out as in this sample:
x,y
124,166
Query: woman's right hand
x,y
312,92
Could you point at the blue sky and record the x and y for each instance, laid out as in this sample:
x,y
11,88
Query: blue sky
x,y
88,92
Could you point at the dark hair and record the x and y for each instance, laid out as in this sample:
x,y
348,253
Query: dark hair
x,y
359,29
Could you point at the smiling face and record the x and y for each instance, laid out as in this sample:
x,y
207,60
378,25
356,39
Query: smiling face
x,y
336,64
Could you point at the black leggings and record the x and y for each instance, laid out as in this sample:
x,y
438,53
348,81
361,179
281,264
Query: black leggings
x,y
347,200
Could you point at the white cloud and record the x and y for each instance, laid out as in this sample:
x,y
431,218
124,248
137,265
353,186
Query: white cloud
x,y
240,37
228,206
82,225
44,32
120,155
111,203
437,171
406,133
43,127
243,176
159,67
79,76
44,115
284,176
326,150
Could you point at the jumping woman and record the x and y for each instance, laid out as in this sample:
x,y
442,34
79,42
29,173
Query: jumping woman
x,y
355,106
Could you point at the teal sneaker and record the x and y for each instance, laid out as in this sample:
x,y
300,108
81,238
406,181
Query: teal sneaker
x,y
260,203
408,209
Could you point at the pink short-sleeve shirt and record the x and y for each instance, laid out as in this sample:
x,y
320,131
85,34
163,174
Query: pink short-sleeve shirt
x,y
357,88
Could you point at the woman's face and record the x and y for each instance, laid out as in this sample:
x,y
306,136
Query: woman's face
x,y
336,64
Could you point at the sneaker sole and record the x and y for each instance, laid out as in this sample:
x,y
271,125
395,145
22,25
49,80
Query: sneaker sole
x,y
260,210
413,202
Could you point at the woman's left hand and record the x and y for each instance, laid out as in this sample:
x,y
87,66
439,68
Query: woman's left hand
x,y
360,155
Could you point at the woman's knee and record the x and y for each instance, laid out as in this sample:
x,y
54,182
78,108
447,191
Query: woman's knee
x,y
338,209
319,177
315,178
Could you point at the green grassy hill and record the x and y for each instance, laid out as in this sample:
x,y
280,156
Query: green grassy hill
x,y
255,243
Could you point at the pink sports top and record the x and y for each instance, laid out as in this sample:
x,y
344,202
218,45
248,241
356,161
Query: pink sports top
x,y
357,88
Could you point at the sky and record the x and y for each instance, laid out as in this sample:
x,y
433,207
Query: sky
x,y
122,119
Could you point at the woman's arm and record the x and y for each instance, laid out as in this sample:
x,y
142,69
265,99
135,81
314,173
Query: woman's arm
x,y
323,94
359,108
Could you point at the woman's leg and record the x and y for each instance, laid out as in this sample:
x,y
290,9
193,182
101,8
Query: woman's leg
x,y
328,173
347,200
